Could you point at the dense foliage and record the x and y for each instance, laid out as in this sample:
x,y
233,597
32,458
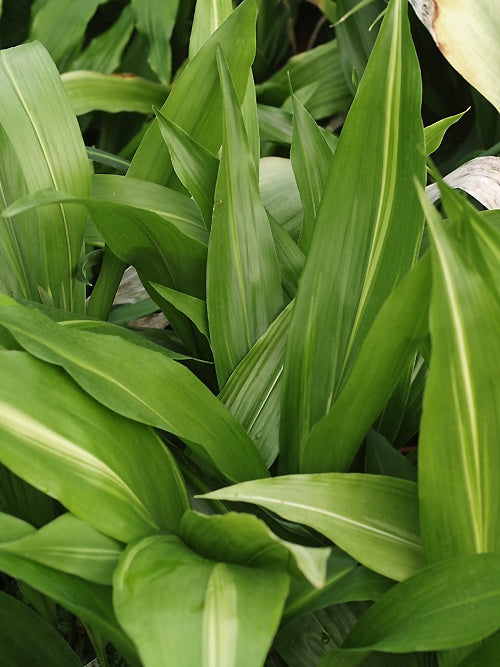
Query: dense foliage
x,y
298,464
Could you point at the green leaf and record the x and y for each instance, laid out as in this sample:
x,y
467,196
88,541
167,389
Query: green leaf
x,y
71,545
373,518
92,460
383,459
485,654
458,445
252,392
360,249
452,603
26,639
208,16
155,19
91,91
319,66
194,308
311,158
60,25
104,52
13,528
434,133
89,602
244,539
199,82
195,166
182,608
153,389
382,360
41,147
241,248
280,194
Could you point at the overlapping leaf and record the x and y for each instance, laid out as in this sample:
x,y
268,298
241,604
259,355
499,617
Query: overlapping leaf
x,y
373,518
366,238
180,607
243,278
110,471
41,147
459,457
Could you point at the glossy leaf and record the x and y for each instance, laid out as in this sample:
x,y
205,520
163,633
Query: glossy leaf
x,y
280,195
26,639
335,439
41,147
458,450
194,308
244,539
91,91
155,19
202,118
154,390
180,607
70,545
241,247
112,472
360,249
373,518
452,603
13,528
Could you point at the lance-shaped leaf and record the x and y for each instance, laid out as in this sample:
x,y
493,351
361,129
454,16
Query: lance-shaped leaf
x,y
467,35
208,16
434,133
458,452
367,233
243,277
110,471
155,19
195,166
60,25
71,545
452,603
104,52
184,609
382,360
311,158
41,146
252,393
373,518
152,389
27,639
199,82
89,91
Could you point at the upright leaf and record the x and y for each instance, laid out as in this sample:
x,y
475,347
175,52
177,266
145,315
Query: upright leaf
x,y
155,19
41,147
60,25
243,278
199,82
184,609
459,456
367,233
208,16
